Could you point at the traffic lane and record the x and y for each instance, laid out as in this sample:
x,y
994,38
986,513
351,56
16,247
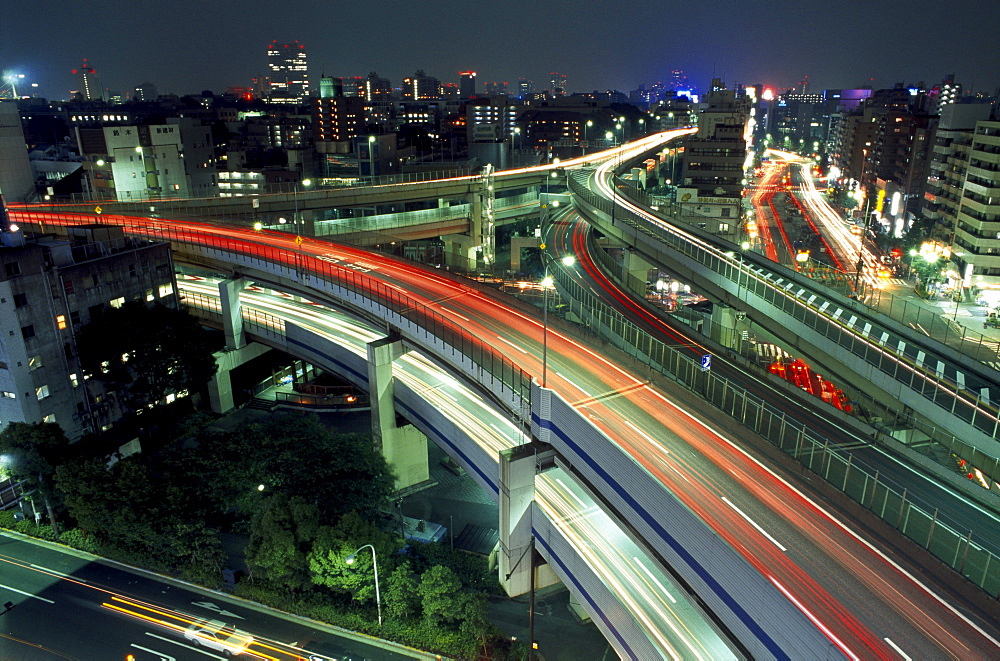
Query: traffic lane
x,y
773,520
954,509
88,584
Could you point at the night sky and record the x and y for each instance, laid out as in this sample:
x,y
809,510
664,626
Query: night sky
x,y
185,46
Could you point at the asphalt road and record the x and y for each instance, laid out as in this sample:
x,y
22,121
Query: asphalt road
x,y
68,606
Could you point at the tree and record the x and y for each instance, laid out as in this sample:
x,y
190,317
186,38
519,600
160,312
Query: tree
x,y
298,456
327,564
141,509
35,451
401,598
281,536
439,590
145,353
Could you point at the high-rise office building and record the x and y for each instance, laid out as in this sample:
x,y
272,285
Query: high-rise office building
x,y
524,88
421,87
558,83
467,84
145,92
288,70
88,83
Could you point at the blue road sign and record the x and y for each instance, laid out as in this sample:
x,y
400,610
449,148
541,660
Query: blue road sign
x,y
706,362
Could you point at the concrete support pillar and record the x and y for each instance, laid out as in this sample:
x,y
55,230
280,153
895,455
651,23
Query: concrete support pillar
x,y
232,315
635,270
476,219
459,251
220,388
220,392
724,326
404,448
518,467
516,244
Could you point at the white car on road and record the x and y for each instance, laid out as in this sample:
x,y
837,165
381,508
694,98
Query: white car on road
x,y
215,635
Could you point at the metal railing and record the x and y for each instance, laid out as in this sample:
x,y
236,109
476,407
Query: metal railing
x,y
957,548
350,283
787,298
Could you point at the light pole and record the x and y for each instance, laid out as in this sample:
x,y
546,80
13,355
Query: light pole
x,y
618,127
586,126
306,183
548,283
371,157
349,560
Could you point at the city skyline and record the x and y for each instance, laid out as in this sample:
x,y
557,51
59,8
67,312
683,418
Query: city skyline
x,y
776,45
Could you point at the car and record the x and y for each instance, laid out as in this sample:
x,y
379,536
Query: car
x,y
215,635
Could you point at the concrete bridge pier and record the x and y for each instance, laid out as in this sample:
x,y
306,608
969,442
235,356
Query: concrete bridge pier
x,y
237,351
404,447
518,559
459,251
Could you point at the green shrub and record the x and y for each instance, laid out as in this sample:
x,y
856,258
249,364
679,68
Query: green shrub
x,y
78,539
7,519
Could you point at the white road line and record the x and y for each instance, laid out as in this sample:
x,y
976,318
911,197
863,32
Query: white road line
x,y
506,341
163,657
185,646
452,312
896,647
57,573
753,523
26,594
655,580
570,492
645,436
572,383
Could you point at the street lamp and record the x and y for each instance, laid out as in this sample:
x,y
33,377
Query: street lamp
x,y
306,183
586,126
548,283
618,127
371,156
349,560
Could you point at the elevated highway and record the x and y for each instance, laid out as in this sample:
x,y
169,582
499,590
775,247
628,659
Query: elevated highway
x,y
933,384
692,497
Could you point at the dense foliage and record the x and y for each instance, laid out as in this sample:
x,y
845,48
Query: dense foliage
x,y
143,354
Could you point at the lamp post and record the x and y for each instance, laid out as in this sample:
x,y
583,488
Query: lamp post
x,y
349,560
586,126
371,157
618,127
548,283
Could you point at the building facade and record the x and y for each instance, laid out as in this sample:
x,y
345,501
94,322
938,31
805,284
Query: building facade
x,y
49,289
288,70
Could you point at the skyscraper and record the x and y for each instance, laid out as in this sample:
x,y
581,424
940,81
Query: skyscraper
x,y
89,84
524,88
420,87
558,82
289,70
467,84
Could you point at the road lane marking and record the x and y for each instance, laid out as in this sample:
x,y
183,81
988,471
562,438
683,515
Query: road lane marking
x,y
655,580
896,647
185,646
753,523
26,594
57,573
571,493
646,436
506,341
163,657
